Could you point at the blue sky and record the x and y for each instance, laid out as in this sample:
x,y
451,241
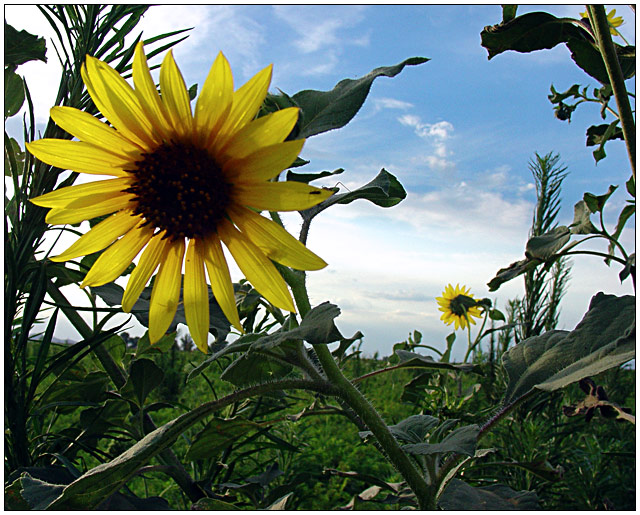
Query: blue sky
x,y
457,131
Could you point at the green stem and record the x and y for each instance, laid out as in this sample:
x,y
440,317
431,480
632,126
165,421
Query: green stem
x,y
358,403
345,389
608,51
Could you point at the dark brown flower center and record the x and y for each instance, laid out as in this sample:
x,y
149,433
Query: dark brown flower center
x,y
460,304
181,189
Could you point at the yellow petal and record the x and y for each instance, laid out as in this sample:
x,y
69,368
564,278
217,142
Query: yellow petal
x,y
276,243
113,261
175,96
246,102
166,291
195,295
279,196
100,236
263,164
256,267
118,102
79,157
63,215
148,94
89,129
220,280
147,264
263,132
214,101
64,196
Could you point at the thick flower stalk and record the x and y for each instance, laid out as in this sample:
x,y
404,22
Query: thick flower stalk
x,y
181,185
458,306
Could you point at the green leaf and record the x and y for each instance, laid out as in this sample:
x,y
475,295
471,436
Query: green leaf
x,y
547,244
460,496
209,504
461,441
384,191
144,377
605,338
596,203
308,177
497,315
317,327
20,47
160,347
193,92
256,368
446,356
281,503
530,32
413,360
412,429
13,94
217,435
600,134
88,389
582,220
627,212
508,12
39,494
112,294
323,111
587,56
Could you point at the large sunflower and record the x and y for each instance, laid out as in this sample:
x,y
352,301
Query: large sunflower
x,y
458,306
182,183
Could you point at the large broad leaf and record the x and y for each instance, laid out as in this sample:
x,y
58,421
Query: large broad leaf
x,y
605,338
317,327
13,93
587,56
413,360
256,368
323,111
461,441
20,47
530,32
460,496
112,294
384,191
547,244
217,435
410,430
512,271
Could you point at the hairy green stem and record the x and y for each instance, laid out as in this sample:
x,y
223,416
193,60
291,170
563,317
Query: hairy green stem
x,y
608,51
345,389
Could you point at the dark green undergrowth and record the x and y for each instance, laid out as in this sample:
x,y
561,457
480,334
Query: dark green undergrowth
x,y
314,450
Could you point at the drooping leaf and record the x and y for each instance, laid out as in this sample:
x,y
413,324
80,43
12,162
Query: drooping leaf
x,y
39,494
209,504
596,203
460,496
164,344
513,270
384,191
411,430
600,134
547,244
21,47
308,177
413,360
256,368
587,56
144,377
461,441
605,338
13,93
112,293
530,32
217,435
323,111
582,220
281,503
317,327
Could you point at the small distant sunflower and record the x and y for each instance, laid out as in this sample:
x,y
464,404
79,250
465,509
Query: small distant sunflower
x,y
614,21
182,185
455,303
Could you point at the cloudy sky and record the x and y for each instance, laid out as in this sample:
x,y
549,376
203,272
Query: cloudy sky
x,y
457,131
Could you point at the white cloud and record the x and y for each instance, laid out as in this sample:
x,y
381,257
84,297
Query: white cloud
x,y
390,103
435,133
